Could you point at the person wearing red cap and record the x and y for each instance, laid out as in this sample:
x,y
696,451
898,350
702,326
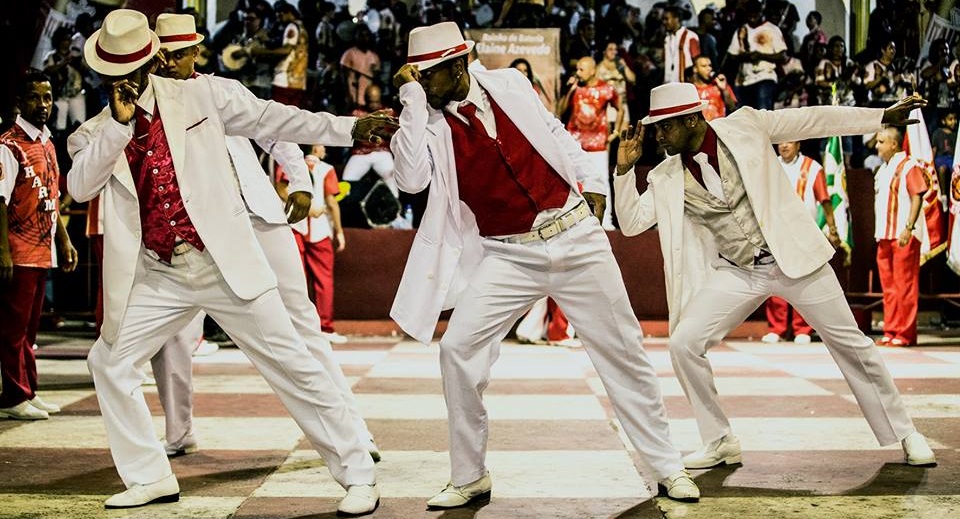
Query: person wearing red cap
x,y
733,233
505,225
178,240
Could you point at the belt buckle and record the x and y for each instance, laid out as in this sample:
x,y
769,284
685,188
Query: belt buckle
x,y
181,248
549,231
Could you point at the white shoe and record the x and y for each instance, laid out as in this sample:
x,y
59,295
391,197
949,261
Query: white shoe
x,y
205,348
167,490
175,451
452,497
44,406
24,411
726,450
917,451
569,342
680,487
149,381
334,337
802,338
360,500
770,338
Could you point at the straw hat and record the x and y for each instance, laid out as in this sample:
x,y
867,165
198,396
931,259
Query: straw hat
x,y
177,31
434,44
673,100
123,44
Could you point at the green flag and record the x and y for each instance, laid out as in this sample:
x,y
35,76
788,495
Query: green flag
x,y
837,187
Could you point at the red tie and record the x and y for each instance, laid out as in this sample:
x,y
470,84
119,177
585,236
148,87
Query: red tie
x,y
141,127
469,111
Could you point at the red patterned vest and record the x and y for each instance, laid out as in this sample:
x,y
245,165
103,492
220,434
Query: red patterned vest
x,y
504,181
34,204
163,217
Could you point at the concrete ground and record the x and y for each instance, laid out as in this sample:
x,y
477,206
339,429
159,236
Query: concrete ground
x,y
555,449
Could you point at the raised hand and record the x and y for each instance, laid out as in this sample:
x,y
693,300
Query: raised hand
x,y
897,115
298,206
375,127
407,73
123,100
631,148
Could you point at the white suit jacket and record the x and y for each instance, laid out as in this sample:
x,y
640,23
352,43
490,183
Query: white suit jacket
x,y
197,114
796,243
447,245
255,184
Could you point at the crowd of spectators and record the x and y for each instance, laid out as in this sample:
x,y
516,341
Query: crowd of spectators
x,y
323,56
337,57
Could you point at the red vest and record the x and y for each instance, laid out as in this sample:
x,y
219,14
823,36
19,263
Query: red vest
x,y
34,204
504,181
163,217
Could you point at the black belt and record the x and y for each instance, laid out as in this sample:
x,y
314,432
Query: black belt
x,y
764,258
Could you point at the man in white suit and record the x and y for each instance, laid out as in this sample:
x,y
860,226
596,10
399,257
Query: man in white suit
x,y
179,40
178,240
504,226
733,233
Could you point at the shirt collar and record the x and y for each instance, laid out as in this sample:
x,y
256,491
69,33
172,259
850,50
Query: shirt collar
x,y
475,96
897,158
708,146
32,131
794,161
148,100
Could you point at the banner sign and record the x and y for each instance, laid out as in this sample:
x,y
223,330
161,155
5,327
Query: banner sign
x,y
498,48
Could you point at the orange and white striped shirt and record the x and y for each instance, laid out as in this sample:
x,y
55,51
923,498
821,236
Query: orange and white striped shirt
x,y
895,182
809,179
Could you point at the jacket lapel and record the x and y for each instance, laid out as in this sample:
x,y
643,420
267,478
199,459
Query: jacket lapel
x,y
169,101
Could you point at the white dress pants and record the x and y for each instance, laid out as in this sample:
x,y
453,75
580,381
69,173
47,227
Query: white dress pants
x,y
173,371
731,294
579,271
382,163
164,299
172,366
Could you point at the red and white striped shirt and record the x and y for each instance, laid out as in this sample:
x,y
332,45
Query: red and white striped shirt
x,y
896,181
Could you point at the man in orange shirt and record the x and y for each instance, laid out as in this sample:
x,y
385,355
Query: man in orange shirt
x,y
588,99
899,185
31,234
714,90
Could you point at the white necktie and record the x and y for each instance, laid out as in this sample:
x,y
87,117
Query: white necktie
x,y
711,177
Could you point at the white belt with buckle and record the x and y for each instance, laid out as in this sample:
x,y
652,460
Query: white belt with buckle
x,y
181,248
553,227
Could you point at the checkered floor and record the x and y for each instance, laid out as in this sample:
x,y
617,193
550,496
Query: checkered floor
x,y
555,449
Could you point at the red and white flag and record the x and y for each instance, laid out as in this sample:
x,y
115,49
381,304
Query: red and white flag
x,y
953,251
933,231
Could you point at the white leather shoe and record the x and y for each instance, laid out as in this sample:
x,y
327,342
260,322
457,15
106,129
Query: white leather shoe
x,y
167,490
452,497
726,450
360,500
205,348
917,451
335,338
770,338
680,487
24,411
802,338
175,451
44,406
